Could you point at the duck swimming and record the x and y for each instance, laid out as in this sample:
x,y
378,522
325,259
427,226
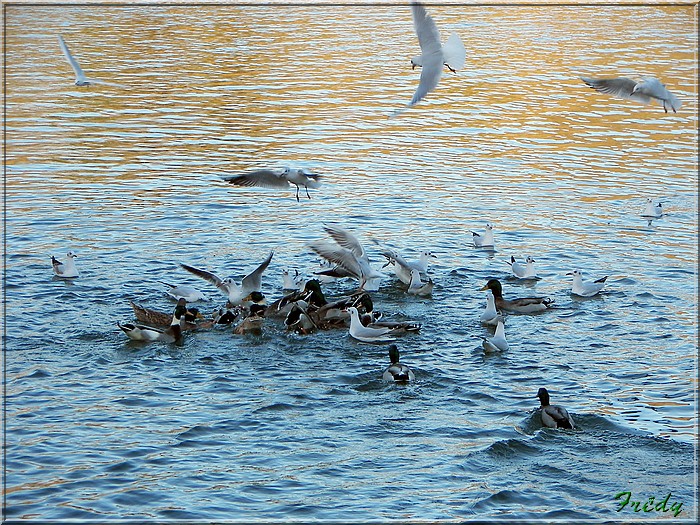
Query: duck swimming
x,y
523,305
172,334
397,371
161,319
553,416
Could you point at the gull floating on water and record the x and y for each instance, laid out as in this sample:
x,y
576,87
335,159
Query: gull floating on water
x,y
418,287
643,91
351,256
587,288
498,342
66,270
523,272
80,78
274,179
235,294
485,240
397,371
433,54
490,314
290,282
402,267
553,416
651,211
368,334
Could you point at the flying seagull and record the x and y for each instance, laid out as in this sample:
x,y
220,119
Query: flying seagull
x,y
273,179
643,91
80,78
433,54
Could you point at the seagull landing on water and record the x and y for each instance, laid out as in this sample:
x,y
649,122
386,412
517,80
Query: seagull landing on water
x,y
433,54
80,78
643,91
274,179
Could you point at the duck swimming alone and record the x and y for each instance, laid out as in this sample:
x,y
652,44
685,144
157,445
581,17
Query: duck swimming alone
x,y
553,416
173,334
397,371
523,305
65,270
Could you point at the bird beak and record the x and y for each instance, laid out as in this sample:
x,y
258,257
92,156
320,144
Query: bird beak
x,y
485,287
569,273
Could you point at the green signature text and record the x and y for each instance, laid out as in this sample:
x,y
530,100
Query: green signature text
x,y
649,505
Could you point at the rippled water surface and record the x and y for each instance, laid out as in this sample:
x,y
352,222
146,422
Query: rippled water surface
x,y
289,427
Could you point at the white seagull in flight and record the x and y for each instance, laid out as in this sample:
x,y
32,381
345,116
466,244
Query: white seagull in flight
x,y
80,78
433,54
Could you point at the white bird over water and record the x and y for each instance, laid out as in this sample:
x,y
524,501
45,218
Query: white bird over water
x,y
235,294
587,288
274,179
351,256
433,54
66,270
485,240
643,91
651,211
80,78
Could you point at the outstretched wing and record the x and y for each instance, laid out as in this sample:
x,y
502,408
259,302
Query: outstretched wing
x,y
620,87
431,52
262,178
207,276
79,75
253,281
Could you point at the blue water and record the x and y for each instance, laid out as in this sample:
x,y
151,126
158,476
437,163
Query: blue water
x,y
285,427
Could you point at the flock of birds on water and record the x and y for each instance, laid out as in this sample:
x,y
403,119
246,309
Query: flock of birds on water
x,y
305,308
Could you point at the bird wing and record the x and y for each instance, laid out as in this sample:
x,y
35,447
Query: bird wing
x,y
340,256
432,57
216,281
253,281
346,239
453,52
621,87
558,414
79,75
262,178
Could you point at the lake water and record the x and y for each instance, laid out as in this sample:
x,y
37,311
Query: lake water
x,y
284,427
